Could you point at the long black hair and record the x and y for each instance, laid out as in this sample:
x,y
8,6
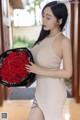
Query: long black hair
x,y
59,10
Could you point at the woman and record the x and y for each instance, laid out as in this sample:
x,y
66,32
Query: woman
x,y
51,47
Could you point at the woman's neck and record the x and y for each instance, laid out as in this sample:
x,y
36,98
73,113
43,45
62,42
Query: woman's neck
x,y
54,32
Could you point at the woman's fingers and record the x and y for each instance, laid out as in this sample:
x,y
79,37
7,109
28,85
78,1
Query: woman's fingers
x,y
31,67
27,65
30,64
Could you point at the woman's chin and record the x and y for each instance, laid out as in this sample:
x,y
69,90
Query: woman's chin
x,y
45,28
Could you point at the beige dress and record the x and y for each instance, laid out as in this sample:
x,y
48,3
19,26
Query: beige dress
x,y
50,92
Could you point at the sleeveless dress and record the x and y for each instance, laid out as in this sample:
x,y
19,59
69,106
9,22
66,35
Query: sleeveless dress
x,y
50,92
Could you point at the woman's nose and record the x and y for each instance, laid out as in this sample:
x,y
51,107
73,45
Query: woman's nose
x,y
44,20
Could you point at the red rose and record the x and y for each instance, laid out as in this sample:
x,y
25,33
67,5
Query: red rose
x,y
13,67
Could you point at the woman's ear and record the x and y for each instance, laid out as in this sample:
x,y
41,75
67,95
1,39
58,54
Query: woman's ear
x,y
60,21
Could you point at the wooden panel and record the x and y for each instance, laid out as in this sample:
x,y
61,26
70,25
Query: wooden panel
x,y
18,4
79,44
72,42
76,69
1,95
4,40
75,28
1,49
5,25
0,37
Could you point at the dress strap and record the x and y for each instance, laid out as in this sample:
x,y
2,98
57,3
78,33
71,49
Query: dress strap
x,y
59,36
56,37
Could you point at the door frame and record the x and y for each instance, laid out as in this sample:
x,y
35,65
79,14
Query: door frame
x,y
75,40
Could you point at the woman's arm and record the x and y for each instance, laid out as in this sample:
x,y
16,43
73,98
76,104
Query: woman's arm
x,y
66,72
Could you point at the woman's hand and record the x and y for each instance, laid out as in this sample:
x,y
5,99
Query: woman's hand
x,y
33,68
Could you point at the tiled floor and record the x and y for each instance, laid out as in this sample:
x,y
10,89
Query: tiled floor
x,y
19,109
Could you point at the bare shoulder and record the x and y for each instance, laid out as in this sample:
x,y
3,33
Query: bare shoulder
x,y
65,42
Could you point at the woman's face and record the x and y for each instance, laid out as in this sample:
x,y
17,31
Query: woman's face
x,y
49,20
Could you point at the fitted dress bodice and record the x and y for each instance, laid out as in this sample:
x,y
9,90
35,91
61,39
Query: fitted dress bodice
x,y
44,55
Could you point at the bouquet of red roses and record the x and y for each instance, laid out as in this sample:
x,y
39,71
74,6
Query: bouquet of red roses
x,y
12,68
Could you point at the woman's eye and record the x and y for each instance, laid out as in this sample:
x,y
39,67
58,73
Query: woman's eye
x,y
43,16
48,18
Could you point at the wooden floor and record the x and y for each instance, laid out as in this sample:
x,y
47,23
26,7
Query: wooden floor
x,y
19,109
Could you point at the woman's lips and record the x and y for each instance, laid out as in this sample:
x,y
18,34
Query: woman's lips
x,y
44,25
